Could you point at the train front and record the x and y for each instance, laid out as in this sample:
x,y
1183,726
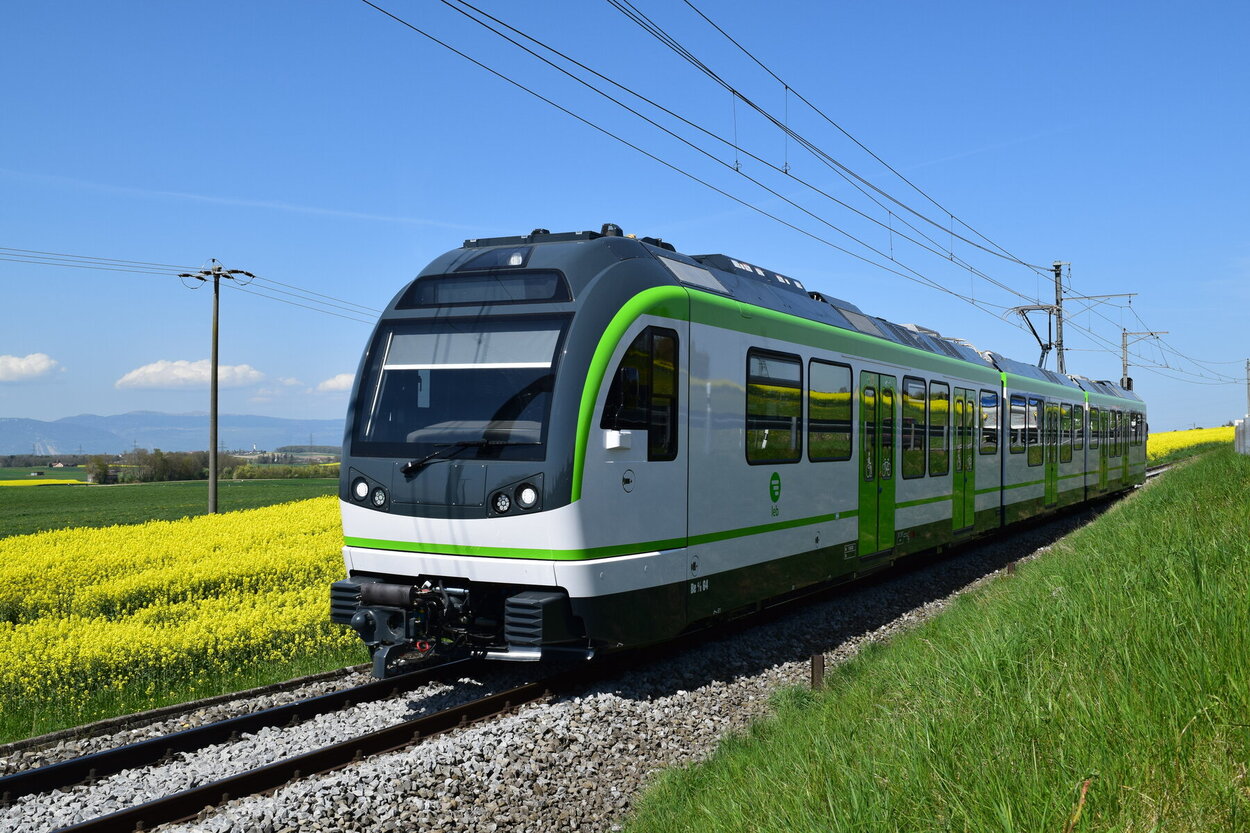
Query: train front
x,y
459,450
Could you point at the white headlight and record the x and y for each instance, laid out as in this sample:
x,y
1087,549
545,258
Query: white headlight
x,y
360,489
527,496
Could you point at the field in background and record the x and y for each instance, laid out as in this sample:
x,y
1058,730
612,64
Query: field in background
x,y
99,622
1170,446
1104,687
28,510
78,473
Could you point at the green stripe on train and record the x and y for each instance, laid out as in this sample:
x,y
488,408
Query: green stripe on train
x,y
592,553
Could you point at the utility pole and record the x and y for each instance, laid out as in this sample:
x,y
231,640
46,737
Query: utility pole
x,y
216,272
1054,312
1125,381
1248,387
1057,266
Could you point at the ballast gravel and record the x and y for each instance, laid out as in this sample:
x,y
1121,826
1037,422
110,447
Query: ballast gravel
x,y
572,764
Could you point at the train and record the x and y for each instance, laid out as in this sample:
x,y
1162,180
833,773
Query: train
x,y
560,445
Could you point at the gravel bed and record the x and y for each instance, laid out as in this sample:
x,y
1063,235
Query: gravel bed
x,y
61,808
574,764
115,732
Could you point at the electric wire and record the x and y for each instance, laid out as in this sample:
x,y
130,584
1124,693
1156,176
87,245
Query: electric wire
x,y
861,145
945,254
915,276
120,265
640,18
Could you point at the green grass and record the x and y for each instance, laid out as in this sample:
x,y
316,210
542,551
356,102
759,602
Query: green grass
x,y
25,510
49,473
1104,687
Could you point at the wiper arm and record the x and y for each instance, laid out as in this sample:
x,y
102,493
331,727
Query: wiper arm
x,y
446,452
449,450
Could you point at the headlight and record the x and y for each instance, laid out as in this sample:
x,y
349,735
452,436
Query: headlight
x,y
526,496
379,497
360,489
501,503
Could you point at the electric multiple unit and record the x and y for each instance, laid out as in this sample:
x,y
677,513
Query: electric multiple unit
x,y
562,444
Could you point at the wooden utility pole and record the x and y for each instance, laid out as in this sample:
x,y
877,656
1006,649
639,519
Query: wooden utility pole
x,y
216,272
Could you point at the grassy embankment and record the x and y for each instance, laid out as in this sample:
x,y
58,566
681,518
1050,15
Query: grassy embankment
x,y
27,510
1105,687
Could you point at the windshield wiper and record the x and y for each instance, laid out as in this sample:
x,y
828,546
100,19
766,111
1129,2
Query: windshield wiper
x,y
449,450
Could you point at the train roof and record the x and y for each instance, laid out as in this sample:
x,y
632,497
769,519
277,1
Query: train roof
x,y
751,284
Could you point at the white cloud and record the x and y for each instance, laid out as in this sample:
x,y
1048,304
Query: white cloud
x,y
343,381
17,368
185,374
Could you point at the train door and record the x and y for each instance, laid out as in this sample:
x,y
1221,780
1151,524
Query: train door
x,y
1103,450
878,405
1050,436
963,497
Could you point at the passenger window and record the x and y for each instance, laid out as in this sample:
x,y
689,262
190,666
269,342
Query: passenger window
x,y
774,418
939,419
1017,427
989,422
1094,416
643,395
1078,427
828,411
1033,431
914,427
1065,433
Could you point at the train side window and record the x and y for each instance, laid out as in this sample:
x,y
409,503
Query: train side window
x,y
828,411
1078,427
643,395
1016,428
939,420
774,415
1135,429
1033,432
1118,430
1065,433
915,426
1094,416
989,422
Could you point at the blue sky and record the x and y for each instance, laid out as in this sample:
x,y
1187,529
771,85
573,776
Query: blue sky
x,y
326,147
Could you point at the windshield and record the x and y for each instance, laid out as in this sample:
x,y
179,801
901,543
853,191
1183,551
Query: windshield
x,y
481,384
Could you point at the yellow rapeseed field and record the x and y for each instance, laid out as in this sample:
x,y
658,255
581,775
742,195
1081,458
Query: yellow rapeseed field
x,y
160,610
40,482
1166,442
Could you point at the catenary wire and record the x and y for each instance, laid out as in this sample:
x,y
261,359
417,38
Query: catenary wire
x,y
924,280
862,146
641,19
944,253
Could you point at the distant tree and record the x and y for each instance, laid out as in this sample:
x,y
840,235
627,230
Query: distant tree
x,y
98,469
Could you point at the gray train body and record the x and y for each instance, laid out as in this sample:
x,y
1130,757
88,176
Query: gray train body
x,y
559,444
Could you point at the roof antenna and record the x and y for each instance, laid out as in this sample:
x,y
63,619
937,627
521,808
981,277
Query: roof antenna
x,y
610,230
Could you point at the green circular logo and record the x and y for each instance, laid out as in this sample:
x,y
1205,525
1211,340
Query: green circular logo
x,y
774,487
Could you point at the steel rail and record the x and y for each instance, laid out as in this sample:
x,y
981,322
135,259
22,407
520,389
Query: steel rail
x,y
107,762
190,803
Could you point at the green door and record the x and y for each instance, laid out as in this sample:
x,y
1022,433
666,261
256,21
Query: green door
x,y
963,497
1103,451
878,405
1050,436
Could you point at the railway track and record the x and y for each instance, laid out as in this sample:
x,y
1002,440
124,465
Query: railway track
x,y
189,803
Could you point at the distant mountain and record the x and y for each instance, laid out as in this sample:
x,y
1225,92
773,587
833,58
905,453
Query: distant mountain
x,y
168,432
